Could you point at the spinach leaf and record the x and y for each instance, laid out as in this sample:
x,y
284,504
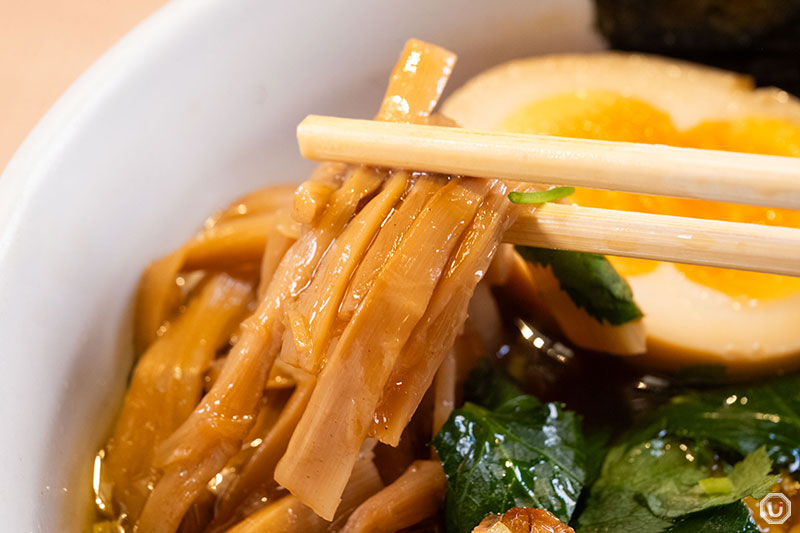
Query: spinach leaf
x,y
521,454
739,419
731,518
590,281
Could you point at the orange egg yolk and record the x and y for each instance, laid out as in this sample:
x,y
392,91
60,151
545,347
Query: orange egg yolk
x,y
610,116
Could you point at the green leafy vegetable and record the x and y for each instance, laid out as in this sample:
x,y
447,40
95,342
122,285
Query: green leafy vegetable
x,y
489,387
667,475
731,518
749,477
523,453
655,485
540,197
596,446
739,419
760,422
590,281
714,486
615,503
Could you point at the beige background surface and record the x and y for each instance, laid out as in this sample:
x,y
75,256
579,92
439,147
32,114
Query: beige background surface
x,y
44,46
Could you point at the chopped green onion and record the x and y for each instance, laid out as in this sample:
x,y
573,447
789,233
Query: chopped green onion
x,y
714,486
541,197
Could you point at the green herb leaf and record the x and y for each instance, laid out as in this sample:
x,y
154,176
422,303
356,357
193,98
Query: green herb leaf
x,y
637,491
650,486
615,503
541,197
731,518
590,281
681,495
523,453
739,419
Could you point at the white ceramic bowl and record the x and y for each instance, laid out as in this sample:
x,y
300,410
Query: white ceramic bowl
x,y
195,106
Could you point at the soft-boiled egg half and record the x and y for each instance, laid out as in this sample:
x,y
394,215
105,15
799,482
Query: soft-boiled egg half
x,y
693,315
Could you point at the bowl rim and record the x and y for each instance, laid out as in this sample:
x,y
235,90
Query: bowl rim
x,y
30,165
34,166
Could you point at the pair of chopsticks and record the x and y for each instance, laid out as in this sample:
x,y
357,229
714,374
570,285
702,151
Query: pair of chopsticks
x,y
769,181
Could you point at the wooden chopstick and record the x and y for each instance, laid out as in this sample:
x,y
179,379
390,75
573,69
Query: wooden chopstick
x,y
770,181
755,247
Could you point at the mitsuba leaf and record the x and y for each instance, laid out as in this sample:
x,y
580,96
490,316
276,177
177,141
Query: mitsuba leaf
x,y
639,490
523,453
654,487
590,281
682,495
615,503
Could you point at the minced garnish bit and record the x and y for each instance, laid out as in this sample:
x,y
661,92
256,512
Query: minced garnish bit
x,y
541,197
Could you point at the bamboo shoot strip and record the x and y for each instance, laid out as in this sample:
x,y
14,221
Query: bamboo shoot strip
x,y
281,237
237,235
387,241
289,515
249,485
313,195
411,498
159,399
265,200
319,303
214,431
416,83
325,444
435,334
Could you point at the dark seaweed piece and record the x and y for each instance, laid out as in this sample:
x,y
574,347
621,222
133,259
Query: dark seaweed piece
x,y
755,37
